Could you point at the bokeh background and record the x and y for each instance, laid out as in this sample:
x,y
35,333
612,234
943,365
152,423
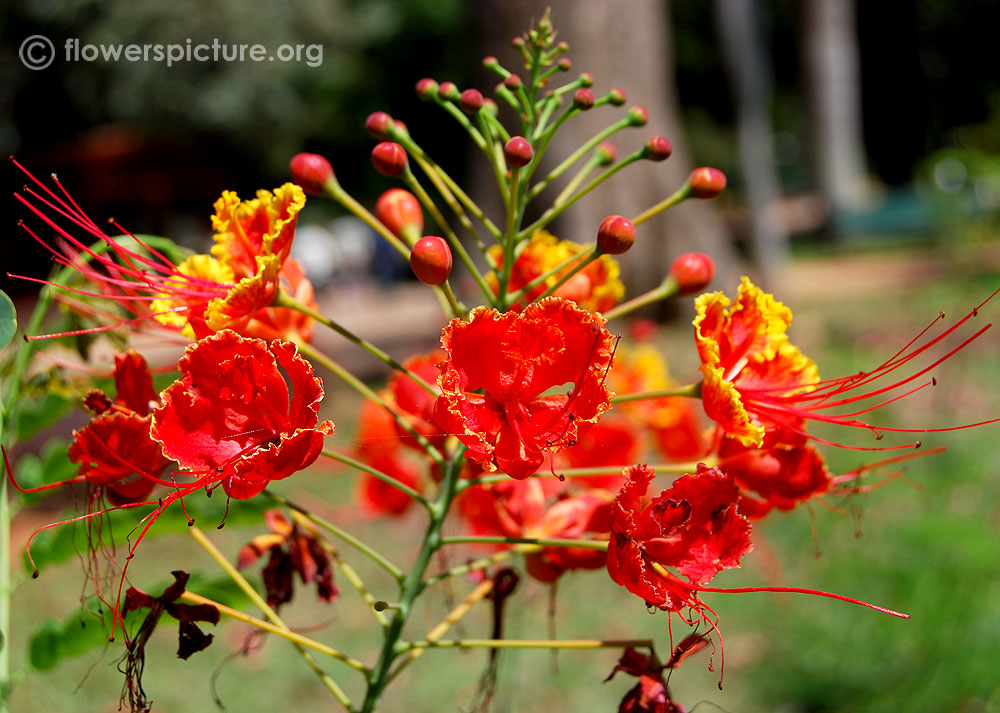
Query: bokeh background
x,y
862,145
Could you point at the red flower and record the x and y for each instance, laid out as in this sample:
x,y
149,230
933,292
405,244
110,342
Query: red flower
x,y
650,694
693,526
235,418
515,358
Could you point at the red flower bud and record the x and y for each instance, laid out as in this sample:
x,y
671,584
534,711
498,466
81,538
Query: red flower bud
x,y
389,159
518,152
447,91
658,148
564,64
513,82
490,62
638,116
586,79
426,89
584,99
430,260
471,101
311,171
517,42
616,96
615,235
692,272
377,124
606,152
707,182
400,212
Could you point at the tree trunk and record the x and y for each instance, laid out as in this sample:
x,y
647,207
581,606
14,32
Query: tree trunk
x,y
743,49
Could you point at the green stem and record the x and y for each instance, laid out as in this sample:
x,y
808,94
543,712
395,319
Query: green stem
x,y
510,238
541,542
692,391
6,589
255,597
532,644
385,478
588,258
576,155
413,584
474,565
681,194
335,191
362,388
666,289
514,297
283,299
347,537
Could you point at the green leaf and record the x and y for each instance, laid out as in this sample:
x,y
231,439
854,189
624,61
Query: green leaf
x,y
45,646
8,320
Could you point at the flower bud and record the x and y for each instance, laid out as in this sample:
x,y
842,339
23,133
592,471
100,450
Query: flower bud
x,y
616,96
586,79
517,42
707,182
692,272
615,235
426,89
583,99
377,124
471,101
513,82
490,62
637,115
658,148
447,91
564,64
490,106
399,211
389,159
606,153
518,152
430,260
311,171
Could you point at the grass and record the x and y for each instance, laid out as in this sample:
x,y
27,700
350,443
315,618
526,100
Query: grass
x,y
927,545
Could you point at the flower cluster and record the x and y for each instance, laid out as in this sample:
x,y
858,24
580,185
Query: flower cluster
x,y
537,428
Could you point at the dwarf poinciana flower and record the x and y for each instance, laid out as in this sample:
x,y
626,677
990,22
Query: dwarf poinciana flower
x,y
200,295
290,550
379,446
117,457
243,413
756,381
596,287
515,359
693,527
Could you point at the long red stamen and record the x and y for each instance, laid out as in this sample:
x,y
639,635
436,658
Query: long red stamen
x,y
801,590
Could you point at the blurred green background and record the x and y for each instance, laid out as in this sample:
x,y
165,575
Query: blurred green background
x,y
154,146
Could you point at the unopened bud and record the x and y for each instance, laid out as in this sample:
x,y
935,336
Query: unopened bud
x,y
658,148
490,106
430,260
517,42
426,89
513,82
377,124
615,235
399,211
518,152
490,62
584,99
707,182
586,79
311,171
471,101
447,91
389,159
692,272
638,116
616,96
564,64
606,153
